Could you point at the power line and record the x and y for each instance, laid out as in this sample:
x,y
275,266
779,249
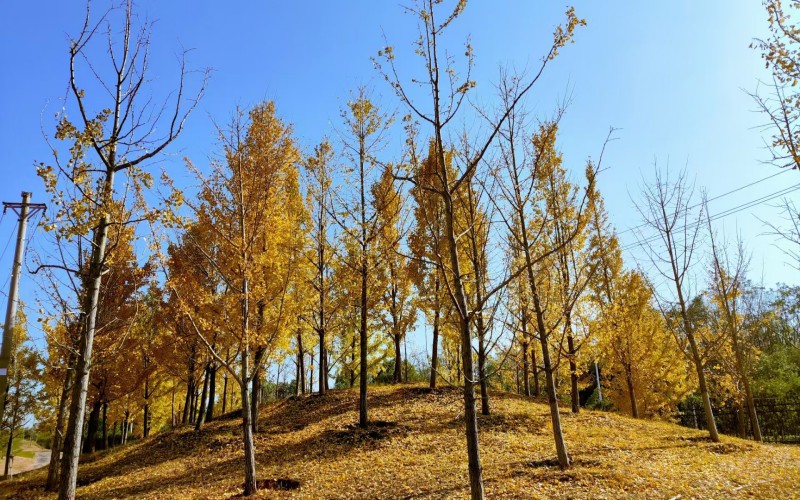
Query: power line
x,y
10,237
724,213
716,197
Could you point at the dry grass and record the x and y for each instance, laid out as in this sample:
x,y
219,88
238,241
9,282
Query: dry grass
x,y
417,450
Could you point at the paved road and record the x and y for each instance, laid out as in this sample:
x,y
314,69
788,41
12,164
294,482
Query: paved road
x,y
39,460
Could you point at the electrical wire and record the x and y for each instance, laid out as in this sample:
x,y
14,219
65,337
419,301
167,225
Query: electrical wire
x,y
10,237
720,215
716,197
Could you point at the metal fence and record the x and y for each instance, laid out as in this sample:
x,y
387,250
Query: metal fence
x,y
779,419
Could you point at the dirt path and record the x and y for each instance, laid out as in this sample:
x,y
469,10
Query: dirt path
x,y
22,464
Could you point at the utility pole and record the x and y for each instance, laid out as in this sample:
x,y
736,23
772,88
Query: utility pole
x,y
26,209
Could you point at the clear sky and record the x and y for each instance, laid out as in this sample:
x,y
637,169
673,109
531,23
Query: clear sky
x,y
671,76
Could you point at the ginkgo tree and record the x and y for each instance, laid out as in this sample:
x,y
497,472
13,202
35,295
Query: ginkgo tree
x,y
247,220
426,242
321,254
113,128
365,132
519,309
573,266
645,372
397,301
532,183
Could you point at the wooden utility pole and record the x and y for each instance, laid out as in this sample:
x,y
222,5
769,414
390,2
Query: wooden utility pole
x,y
26,209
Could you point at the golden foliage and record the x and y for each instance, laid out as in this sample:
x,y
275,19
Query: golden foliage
x,y
418,452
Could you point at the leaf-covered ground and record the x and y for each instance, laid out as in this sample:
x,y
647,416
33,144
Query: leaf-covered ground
x,y
416,449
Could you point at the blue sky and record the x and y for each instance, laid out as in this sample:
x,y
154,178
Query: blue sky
x,y
671,76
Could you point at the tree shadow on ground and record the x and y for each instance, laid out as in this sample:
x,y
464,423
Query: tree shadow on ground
x,y
224,436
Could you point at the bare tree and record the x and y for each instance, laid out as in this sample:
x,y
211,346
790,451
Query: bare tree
x,y
668,210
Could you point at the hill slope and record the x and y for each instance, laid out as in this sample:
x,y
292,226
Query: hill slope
x,y
416,449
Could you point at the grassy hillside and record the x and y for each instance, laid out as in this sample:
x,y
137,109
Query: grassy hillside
x,y
416,449
19,448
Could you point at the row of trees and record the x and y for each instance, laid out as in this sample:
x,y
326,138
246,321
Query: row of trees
x,y
281,259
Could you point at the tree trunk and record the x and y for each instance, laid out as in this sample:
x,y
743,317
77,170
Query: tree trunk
x,y
193,406
11,430
631,392
526,386
405,358
748,393
201,414
435,346
323,368
352,361
550,387
212,391
364,271
250,487
711,424
458,365
573,366
477,258
310,374
695,351
327,371
552,399
124,430
188,402
58,433
362,376
484,383
741,423
535,369
105,425
146,419
397,377
482,365
255,401
14,421
301,369
72,440
94,423
322,239
297,376
751,410
470,416
224,392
